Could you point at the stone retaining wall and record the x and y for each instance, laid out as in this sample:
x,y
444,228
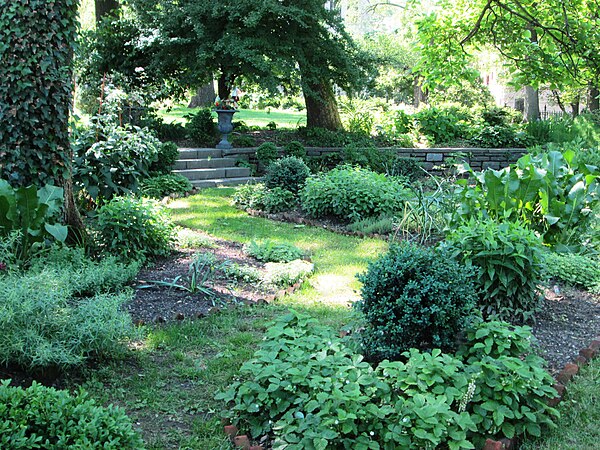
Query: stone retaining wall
x,y
478,158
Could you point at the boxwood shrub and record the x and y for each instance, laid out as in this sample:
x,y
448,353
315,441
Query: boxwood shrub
x,y
414,297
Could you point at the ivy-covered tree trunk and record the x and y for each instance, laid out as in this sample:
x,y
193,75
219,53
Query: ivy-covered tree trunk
x,y
36,44
321,107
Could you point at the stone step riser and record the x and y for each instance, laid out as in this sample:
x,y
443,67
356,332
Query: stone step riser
x,y
211,163
219,173
199,153
200,184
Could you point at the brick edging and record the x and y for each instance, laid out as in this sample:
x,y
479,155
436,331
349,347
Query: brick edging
x,y
564,376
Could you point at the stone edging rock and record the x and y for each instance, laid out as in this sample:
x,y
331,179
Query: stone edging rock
x,y
564,376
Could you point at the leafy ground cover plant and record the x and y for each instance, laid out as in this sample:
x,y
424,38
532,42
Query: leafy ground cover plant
x,y
509,258
289,173
160,186
287,273
368,157
549,193
43,417
168,153
417,297
201,128
45,326
573,269
133,228
270,251
307,388
352,194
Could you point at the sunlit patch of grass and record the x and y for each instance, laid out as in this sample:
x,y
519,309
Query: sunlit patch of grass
x,y
252,117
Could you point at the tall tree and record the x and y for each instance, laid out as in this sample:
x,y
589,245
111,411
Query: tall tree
x,y
105,8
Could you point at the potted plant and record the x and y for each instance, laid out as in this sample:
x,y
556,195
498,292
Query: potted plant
x,y
225,110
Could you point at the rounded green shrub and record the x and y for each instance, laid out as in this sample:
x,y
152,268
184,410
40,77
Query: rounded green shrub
x,y
509,257
133,228
414,297
295,148
201,128
288,173
266,153
168,153
43,417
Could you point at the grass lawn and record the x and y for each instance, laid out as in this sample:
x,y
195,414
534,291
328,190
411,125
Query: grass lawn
x,y
283,119
168,384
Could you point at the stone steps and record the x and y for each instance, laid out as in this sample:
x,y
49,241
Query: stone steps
x,y
208,167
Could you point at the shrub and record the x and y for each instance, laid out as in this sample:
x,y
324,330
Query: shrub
x,y
414,297
267,153
501,136
370,157
509,258
573,269
322,137
308,389
411,168
442,125
351,194
288,173
496,339
168,153
201,128
241,141
43,417
380,225
44,325
110,160
133,228
269,251
277,200
295,148
162,185
250,196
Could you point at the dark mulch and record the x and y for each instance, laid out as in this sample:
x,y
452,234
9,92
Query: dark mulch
x,y
569,321
165,304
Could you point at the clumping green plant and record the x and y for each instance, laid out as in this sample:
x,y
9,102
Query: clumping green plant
x,y
352,194
287,273
579,270
246,274
266,153
371,225
367,157
288,173
44,325
187,238
168,153
133,228
270,251
295,148
43,417
417,297
201,128
307,388
250,196
277,200
410,168
160,186
509,258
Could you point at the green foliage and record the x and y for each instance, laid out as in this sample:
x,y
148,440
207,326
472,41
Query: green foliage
x,y
42,417
379,225
277,200
501,136
496,339
202,129
442,125
321,137
308,389
550,193
111,160
44,325
36,46
250,196
34,213
187,238
133,228
573,269
414,297
288,173
370,157
269,251
295,148
241,141
246,274
168,153
162,185
351,194
286,274
266,153
410,168
509,258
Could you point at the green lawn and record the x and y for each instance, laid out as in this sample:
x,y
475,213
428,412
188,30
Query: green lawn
x,y
168,383
283,119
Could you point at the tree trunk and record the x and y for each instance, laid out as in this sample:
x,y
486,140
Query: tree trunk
x,y
104,8
419,96
224,85
594,100
321,107
532,109
205,96
575,107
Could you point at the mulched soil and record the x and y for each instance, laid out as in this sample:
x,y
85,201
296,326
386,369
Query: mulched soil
x,y
165,304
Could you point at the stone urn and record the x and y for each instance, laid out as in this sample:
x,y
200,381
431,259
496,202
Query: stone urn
x,y
225,126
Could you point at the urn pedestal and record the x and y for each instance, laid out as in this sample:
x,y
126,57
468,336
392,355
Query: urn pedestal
x,y
225,126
